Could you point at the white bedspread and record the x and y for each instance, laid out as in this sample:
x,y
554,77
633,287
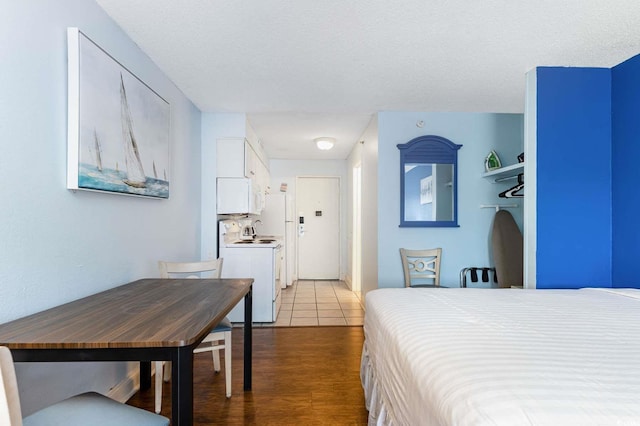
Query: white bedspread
x,y
466,356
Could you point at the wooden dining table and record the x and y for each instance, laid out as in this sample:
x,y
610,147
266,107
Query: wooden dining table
x,y
145,320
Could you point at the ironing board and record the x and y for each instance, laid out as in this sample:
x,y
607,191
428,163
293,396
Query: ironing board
x,y
507,243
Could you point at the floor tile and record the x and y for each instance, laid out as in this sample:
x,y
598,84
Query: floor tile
x,y
304,307
284,314
330,313
332,321
313,303
326,300
324,306
351,313
349,305
353,321
282,322
305,314
304,321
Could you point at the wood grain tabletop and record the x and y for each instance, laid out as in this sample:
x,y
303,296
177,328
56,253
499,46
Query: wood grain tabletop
x,y
143,313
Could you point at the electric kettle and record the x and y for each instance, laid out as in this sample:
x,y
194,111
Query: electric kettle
x,y
248,232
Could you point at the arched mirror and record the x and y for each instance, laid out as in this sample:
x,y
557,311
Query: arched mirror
x,y
429,182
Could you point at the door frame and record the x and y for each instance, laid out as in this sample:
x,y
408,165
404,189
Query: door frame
x,y
356,239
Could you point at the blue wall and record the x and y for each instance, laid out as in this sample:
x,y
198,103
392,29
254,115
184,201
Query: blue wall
x,y
467,245
573,177
626,173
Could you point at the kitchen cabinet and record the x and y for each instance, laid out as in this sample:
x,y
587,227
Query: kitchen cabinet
x,y
238,196
236,158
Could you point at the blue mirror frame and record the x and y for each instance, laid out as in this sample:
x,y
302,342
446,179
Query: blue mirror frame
x,y
429,149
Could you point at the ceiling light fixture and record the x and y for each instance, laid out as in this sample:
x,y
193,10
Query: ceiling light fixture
x,y
325,143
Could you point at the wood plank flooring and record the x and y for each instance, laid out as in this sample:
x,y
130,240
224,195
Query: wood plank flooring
x,y
301,376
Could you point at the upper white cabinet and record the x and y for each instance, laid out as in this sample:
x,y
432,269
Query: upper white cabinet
x,y
233,159
236,158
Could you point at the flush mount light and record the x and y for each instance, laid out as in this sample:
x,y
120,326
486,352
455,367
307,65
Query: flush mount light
x,y
325,143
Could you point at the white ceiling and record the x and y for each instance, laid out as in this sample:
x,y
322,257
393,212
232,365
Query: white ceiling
x,y
302,69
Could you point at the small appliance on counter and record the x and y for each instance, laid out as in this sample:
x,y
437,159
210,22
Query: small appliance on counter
x,y
248,230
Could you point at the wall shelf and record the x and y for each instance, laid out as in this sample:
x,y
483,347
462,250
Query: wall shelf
x,y
505,172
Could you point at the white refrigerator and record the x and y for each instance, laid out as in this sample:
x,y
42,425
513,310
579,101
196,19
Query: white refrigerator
x,y
278,219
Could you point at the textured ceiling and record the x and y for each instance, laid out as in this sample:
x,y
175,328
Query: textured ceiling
x,y
302,69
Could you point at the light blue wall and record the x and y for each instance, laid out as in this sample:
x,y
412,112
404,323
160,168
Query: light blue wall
x,y
573,212
625,172
57,245
467,245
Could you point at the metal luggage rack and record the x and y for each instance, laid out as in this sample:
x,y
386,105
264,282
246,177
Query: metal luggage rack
x,y
472,271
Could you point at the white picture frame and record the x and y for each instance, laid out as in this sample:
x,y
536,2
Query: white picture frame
x,y
118,127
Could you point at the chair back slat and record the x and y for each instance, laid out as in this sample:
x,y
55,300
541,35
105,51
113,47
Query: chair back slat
x,y
420,265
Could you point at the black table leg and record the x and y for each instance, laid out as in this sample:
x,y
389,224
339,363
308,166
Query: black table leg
x,y
145,375
248,326
182,387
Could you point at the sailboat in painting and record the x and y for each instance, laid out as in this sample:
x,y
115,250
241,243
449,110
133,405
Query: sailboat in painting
x,y
135,173
98,150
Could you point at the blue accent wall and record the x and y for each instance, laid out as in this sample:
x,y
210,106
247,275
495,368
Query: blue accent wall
x,y
626,173
574,144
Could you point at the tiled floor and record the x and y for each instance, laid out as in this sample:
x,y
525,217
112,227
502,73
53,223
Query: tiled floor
x,y
309,303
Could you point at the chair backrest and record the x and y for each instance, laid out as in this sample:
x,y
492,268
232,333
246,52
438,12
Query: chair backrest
x,y
10,412
204,269
420,266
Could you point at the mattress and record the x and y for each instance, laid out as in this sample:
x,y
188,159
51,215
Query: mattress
x,y
462,356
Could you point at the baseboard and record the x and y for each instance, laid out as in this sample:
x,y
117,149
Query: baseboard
x,y
127,387
347,281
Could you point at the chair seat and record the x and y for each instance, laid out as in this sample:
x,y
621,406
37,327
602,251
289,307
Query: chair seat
x,y
224,325
93,409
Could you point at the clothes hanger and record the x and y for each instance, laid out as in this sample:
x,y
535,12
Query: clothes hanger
x,y
516,190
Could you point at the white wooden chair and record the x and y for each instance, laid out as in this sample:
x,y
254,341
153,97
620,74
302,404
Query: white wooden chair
x,y
85,409
420,266
222,332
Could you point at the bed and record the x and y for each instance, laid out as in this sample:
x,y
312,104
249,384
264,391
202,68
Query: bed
x,y
462,356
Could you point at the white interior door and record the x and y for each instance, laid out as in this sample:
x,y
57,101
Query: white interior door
x,y
318,205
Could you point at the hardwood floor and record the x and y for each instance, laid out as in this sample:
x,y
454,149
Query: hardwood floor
x,y
301,376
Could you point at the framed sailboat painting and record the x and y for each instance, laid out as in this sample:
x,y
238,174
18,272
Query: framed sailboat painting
x,y
118,129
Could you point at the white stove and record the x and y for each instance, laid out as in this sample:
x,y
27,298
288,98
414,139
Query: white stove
x,y
259,258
